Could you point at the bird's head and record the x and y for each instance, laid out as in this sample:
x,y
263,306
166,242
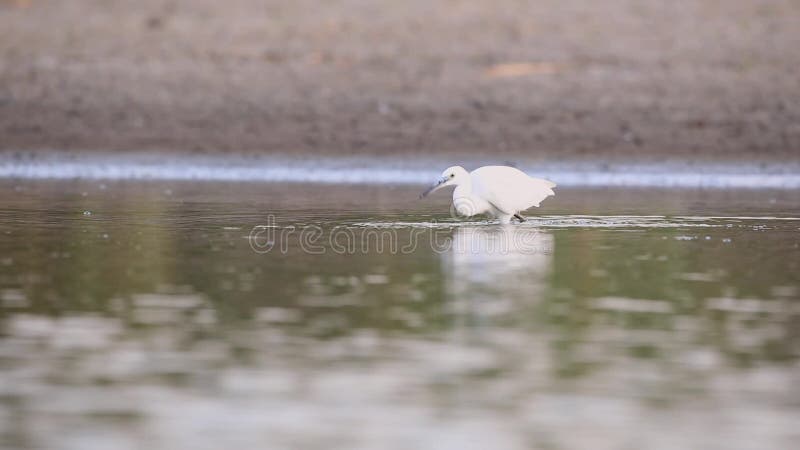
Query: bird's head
x,y
451,176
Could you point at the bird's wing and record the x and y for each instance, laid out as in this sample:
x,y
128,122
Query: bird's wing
x,y
508,189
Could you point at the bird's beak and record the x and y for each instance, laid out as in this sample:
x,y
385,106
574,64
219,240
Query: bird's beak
x,y
434,187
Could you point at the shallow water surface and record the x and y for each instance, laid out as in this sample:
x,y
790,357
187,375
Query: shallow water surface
x,y
182,315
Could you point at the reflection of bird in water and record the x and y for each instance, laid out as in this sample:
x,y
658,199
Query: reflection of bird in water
x,y
499,250
499,191
497,266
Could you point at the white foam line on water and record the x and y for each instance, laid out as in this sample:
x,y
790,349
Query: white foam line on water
x,y
552,222
737,218
388,171
585,221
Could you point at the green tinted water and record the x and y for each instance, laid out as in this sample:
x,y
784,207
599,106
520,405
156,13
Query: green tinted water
x,y
199,315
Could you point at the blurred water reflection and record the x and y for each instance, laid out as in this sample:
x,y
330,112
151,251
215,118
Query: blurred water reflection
x,y
150,322
489,270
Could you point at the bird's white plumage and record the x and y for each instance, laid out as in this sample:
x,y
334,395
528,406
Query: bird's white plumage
x,y
499,191
508,189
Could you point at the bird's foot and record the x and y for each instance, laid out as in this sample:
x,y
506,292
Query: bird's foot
x,y
519,217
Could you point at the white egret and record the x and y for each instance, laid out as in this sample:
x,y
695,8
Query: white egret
x,y
499,191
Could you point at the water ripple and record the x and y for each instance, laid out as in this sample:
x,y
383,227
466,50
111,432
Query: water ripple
x,y
587,221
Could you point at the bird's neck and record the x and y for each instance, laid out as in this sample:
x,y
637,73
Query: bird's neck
x,y
463,188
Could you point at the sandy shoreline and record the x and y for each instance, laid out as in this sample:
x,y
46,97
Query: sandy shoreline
x,y
613,80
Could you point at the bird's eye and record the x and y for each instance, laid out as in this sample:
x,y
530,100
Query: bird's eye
x,y
452,175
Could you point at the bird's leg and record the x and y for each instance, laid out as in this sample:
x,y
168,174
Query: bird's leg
x,y
519,216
